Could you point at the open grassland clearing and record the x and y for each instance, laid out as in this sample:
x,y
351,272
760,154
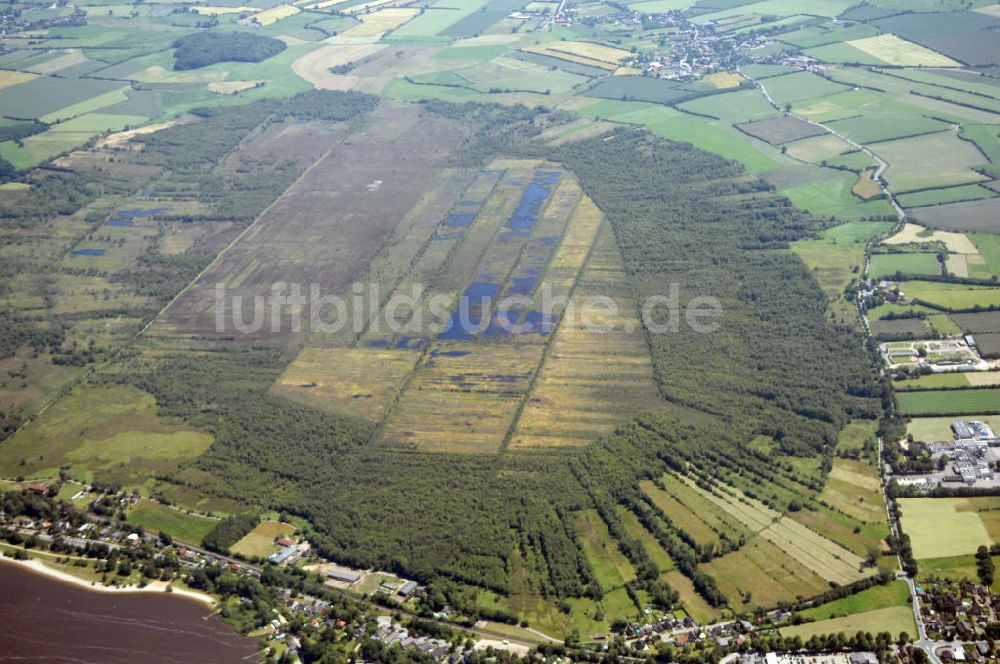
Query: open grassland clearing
x,y
362,382
895,593
681,516
895,51
701,611
855,536
833,262
182,526
895,619
259,542
649,542
944,527
111,433
853,488
856,231
611,568
761,574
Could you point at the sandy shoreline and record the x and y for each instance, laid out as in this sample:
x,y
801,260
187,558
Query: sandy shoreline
x,y
154,587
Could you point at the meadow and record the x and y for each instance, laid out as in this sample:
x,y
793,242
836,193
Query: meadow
x,y
895,593
951,296
260,542
894,620
182,526
924,519
108,433
888,265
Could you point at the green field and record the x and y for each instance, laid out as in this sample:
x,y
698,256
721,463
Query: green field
x,y
259,542
953,402
969,192
799,86
892,619
855,231
611,568
887,265
87,432
896,593
950,296
954,163
182,526
943,527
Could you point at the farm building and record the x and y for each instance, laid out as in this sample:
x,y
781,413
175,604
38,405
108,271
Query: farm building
x,y
289,555
407,588
343,575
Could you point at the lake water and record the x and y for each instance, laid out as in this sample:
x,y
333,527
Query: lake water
x,y
44,620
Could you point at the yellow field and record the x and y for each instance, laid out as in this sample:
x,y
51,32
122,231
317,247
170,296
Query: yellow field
x,y
896,51
9,78
724,80
866,188
823,557
273,15
381,21
231,87
259,542
354,381
590,382
219,11
956,243
569,57
765,572
893,619
853,488
464,397
315,66
944,527
591,51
